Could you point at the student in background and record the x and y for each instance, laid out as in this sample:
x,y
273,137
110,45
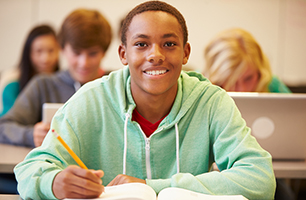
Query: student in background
x,y
39,55
236,62
84,37
149,122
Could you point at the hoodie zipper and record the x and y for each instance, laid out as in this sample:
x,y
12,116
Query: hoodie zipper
x,y
148,163
147,147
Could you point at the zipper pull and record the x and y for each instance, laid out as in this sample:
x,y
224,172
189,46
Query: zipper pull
x,y
147,144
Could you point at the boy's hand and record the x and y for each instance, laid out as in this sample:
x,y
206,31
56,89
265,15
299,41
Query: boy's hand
x,y
75,182
121,179
40,131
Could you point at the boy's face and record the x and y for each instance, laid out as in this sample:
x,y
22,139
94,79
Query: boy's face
x,y
83,64
155,53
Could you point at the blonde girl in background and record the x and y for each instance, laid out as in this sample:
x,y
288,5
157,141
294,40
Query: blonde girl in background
x,y
236,62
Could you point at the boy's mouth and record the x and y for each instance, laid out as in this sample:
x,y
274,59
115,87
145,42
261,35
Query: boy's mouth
x,y
155,72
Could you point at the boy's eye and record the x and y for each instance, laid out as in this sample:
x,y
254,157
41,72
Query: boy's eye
x,y
141,44
169,44
93,53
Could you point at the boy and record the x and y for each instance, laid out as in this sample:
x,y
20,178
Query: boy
x,y
84,37
152,123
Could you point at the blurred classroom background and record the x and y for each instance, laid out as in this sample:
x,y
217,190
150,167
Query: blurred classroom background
x,y
278,25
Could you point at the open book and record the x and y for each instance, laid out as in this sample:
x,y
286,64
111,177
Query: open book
x,y
139,191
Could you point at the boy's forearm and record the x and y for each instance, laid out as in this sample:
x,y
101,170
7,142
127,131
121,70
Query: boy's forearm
x,y
35,183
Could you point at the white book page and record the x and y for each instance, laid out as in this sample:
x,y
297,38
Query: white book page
x,y
183,194
129,191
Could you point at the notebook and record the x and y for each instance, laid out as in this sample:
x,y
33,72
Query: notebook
x,y
278,122
139,191
49,109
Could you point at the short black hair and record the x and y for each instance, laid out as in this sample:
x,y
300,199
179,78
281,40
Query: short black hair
x,y
153,6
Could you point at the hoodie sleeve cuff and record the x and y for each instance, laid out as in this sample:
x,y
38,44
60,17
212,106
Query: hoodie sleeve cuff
x,y
47,182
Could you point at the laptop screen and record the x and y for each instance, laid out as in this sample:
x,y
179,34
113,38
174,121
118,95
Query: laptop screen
x,y
277,121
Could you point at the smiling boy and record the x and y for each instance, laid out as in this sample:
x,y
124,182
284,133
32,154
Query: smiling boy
x,y
149,123
155,50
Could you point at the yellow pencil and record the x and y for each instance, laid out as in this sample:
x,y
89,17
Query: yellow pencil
x,y
73,155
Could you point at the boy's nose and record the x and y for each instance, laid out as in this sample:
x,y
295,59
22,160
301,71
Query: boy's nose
x,y
156,56
83,61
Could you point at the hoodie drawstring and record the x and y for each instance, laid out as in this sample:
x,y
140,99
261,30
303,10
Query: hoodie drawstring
x,y
177,149
127,116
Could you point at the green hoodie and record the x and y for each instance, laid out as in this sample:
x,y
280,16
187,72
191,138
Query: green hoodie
x,y
95,121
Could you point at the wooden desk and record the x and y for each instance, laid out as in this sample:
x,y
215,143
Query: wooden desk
x,y
290,169
9,197
10,156
285,169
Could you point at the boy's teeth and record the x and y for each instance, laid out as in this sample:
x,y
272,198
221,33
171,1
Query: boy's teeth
x,y
156,72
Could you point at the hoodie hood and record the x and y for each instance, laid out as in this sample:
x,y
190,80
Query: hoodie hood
x,y
189,90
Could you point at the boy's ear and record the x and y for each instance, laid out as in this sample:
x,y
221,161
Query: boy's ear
x,y
187,50
122,54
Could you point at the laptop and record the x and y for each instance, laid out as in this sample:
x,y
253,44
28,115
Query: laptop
x,y
49,110
278,122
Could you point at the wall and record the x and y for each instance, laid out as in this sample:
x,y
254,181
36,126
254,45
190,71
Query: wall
x,y
278,25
